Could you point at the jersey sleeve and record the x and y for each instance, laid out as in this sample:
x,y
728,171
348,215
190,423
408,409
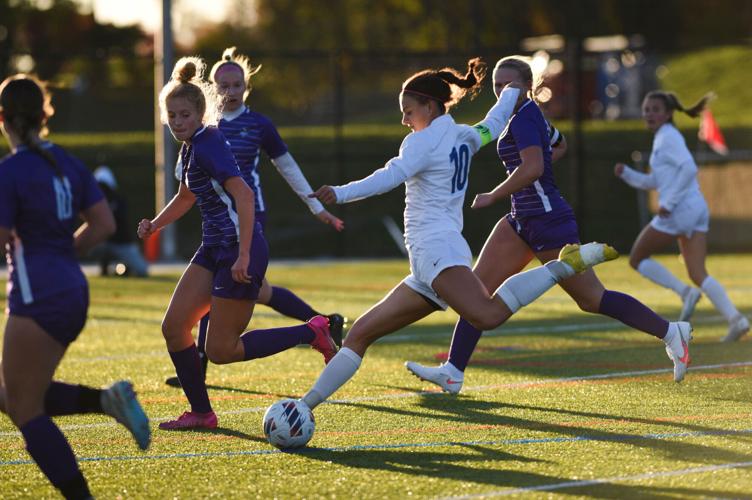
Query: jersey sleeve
x,y
91,194
271,142
410,161
638,180
496,119
8,199
215,157
555,136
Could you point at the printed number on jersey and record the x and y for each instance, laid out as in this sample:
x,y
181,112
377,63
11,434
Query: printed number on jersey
x,y
460,160
64,198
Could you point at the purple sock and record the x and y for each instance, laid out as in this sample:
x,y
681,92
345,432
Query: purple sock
x,y
263,343
632,312
464,340
68,399
203,327
191,376
287,303
52,453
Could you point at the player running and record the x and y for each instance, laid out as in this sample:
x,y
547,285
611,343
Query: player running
x,y
227,271
249,133
434,163
43,191
540,225
683,214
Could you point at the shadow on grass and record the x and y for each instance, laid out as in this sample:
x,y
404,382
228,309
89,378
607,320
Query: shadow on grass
x,y
459,411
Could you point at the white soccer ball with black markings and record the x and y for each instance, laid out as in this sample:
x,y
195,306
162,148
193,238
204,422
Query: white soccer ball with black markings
x,y
289,423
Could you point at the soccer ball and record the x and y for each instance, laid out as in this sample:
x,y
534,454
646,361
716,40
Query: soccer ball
x,y
289,423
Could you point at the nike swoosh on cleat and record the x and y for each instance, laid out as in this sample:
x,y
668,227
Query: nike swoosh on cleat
x,y
685,358
450,381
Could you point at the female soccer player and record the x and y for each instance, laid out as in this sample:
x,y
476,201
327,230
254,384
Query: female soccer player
x,y
227,271
43,191
683,213
248,133
540,225
433,163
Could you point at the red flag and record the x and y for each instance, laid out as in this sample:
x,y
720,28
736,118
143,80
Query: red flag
x,y
710,132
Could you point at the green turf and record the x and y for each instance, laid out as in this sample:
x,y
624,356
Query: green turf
x,y
517,424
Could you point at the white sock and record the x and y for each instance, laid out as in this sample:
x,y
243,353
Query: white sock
x,y
340,369
659,275
523,288
718,296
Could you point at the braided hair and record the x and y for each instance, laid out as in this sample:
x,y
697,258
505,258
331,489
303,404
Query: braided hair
x,y
25,106
446,86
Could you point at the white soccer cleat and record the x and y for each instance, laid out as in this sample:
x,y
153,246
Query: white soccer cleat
x,y
440,375
689,302
119,401
737,327
583,257
677,347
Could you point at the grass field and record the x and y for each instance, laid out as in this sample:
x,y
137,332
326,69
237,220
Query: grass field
x,y
555,403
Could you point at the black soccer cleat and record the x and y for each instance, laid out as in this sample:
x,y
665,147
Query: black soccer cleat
x,y
336,327
175,382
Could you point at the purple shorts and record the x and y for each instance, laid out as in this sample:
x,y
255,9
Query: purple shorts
x,y
549,231
219,260
62,315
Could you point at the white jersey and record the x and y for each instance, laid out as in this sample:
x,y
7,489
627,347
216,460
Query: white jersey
x,y
434,164
673,172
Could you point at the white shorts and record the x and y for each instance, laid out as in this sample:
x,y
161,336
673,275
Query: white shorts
x,y
689,216
428,258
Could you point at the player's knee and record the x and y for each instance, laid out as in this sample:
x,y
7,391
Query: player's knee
x,y
20,411
589,304
487,321
634,261
218,354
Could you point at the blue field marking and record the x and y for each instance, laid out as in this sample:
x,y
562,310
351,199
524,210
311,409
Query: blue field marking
x,y
438,444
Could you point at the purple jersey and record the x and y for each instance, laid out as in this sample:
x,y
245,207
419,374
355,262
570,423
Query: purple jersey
x,y
207,163
42,210
526,128
249,134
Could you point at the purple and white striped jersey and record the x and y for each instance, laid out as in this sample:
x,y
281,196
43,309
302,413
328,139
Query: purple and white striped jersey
x,y
41,208
207,163
249,133
528,128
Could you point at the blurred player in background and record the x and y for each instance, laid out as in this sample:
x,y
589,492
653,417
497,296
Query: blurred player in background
x,y
120,248
43,191
249,133
227,272
540,225
683,214
434,163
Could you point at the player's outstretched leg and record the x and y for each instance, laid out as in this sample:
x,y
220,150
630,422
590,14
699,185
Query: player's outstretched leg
x,y
677,347
520,290
119,401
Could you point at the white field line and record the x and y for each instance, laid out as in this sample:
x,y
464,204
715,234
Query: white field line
x,y
406,395
607,480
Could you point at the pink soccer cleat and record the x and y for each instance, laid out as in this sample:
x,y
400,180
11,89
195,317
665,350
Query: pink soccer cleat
x,y
191,420
322,341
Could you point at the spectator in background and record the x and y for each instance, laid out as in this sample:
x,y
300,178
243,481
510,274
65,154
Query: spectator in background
x,y
121,247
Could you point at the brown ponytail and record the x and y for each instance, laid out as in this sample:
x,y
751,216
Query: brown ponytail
x,y
25,106
446,86
671,102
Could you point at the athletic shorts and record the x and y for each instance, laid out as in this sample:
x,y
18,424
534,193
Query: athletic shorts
x,y
62,315
688,216
430,257
549,231
219,260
